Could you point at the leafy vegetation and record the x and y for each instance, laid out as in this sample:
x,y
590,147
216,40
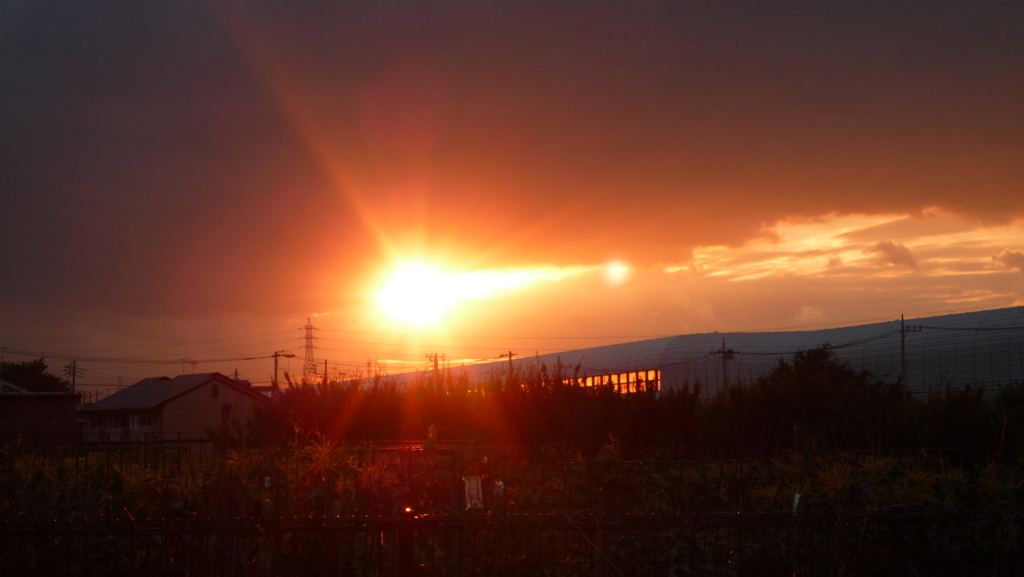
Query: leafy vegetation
x,y
32,376
813,402
841,440
323,479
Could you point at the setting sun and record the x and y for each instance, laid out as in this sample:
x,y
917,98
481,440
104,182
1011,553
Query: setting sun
x,y
418,294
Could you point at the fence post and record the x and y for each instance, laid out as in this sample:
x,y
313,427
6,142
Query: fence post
x,y
897,541
599,557
405,563
456,550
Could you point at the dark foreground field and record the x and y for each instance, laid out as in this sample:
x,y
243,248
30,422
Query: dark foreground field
x,y
813,470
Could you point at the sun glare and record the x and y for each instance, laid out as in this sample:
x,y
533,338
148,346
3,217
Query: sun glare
x,y
419,294
616,273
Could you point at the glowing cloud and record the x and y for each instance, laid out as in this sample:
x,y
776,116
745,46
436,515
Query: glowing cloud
x,y
1011,259
889,252
936,244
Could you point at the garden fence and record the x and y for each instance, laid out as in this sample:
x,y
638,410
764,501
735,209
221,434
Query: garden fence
x,y
888,543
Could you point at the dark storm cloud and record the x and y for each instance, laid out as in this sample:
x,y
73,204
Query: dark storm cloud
x,y
150,163
140,164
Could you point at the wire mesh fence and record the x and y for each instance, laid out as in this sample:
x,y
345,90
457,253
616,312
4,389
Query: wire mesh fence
x,y
891,543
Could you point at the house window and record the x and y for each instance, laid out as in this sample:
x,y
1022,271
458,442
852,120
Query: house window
x,y
5,412
142,421
214,391
225,413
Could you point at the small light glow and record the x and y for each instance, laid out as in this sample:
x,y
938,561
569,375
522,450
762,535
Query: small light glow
x,y
616,273
408,509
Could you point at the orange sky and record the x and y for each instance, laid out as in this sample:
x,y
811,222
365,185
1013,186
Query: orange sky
x,y
195,180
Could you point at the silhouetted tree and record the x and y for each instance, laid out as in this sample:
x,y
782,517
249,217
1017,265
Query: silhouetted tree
x,y
32,376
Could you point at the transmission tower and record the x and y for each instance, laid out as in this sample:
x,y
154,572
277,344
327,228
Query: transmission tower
x,y
309,368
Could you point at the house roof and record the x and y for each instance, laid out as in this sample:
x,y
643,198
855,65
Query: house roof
x,y
11,391
8,388
155,391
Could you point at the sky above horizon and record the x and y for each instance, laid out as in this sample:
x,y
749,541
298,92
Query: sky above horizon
x,y
193,180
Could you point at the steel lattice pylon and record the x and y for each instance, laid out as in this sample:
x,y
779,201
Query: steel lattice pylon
x,y
309,367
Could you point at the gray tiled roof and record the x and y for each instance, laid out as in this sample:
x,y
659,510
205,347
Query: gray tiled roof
x,y
153,392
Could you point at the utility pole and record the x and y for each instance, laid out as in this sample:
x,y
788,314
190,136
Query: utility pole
x,y
904,329
437,374
727,355
725,365
71,371
509,354
903,352
309,367
274,387
325,372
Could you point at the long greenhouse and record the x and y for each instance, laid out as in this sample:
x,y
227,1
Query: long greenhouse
x,y
981,348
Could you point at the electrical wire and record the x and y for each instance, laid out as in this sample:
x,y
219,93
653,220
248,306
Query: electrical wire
x,y
171,345
490,337
65,357
131,362
973,329
460,347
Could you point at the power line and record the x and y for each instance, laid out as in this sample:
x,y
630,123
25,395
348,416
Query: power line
x,y
387,352
973,329
169,345
65,357
490,337
495,348
846,324
131,362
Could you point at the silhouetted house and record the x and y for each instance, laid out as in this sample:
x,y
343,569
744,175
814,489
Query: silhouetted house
x,y
39,419
185,407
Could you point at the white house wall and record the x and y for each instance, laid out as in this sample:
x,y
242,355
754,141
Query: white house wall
x,y
191,414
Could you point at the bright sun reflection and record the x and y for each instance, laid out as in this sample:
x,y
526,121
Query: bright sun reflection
x,y
419,294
